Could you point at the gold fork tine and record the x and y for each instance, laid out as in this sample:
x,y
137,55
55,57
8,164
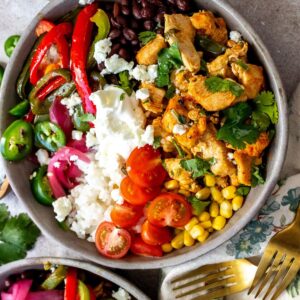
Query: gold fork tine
x,y
283,269
262,268
269,272
292,272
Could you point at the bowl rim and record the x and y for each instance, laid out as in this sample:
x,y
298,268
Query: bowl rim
x,y
36,262
152,263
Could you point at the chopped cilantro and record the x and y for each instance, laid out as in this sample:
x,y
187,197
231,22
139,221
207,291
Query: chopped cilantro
x,y
171,91
260,120
242,64
17,235
125,83
198,205
146,36
122,97
168,59
265,103
209,45
197,166
216,84
156,143
181,153
235,131
256,177
243,190
180,118
87,118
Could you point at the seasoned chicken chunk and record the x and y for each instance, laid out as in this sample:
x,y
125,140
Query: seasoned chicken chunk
x,y
155,103
244,167
166,138
252,78
256,149
209,147
179,29
148,54
209,25
181,79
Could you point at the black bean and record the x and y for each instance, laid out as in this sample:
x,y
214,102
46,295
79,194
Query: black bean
x,y
125,10
134,24
160,31
124,2
160,18
116,10
172,2
183,5
115,33
136,11
149,25
124,54
114,23
122,21
147,13
108,7
115,49
101,67
113,79
123,41
134,42
144,3
129,34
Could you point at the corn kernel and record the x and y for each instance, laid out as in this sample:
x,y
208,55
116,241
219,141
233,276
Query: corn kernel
x,y
177,241
192,222
209,180
167,248
184,193
229,192
219,223
226,209
203,194
214,209
237,202
204,216
187,239
196,231
206,224
203,237
216,194
171,185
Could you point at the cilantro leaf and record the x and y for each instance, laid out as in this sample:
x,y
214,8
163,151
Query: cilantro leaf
x,y
197,166
125,83
171,91
87,118
216,84
257,178
4,215
198,205
181,153
209,45
146,36
242,64
168,59
265,103
180,118
156,143
9,252
260,120
243,190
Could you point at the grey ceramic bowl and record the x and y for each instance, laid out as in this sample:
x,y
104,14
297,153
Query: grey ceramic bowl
x,y
44,217
37,264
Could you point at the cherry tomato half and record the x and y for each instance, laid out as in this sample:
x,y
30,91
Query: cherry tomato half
x,y
126,215
153,235
144,167
111,241
139,247
135,194
169,209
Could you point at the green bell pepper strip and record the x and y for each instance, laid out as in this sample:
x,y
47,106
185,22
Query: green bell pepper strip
x,y
79,124
83,291
21,109
17,141
39,106
64,91
49,136
10,44
1,74
23,78
41,118
102,21
55,279
41,188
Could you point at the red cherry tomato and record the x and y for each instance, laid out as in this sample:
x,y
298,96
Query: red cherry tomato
x,y
153,235
111,241
144,167
139,247
126,215
169,209
135,194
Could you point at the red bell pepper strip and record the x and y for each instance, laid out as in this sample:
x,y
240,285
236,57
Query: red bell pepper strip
x,y
71,285
29,117
79,51
49,39
92,294
43,26
53,85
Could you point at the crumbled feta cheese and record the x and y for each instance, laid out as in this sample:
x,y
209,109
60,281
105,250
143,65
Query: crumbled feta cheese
x,y
152,72
148,136
179,129
102,49
116,64
91,139
85,2
77,135
144,73
235,36
121,294
71,102
42,157
62,207
142,94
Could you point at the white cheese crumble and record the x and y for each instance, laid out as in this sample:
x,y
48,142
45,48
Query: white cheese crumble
x,y
85,2
77,135
179,129
42,157
121,294
235,36
142,94
62,208
102,49
144,73
116,64
71,102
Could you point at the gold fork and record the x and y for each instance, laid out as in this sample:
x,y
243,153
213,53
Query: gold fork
x,y
280,261
216,280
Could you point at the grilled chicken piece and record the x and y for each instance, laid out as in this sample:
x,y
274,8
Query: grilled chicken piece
x,y
244,166
256,149
148,54
251,78
179,29
181,80
209,147
166,138
155,103
209,25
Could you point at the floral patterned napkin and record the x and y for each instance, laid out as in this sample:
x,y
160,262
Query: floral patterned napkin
x,y
278,211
